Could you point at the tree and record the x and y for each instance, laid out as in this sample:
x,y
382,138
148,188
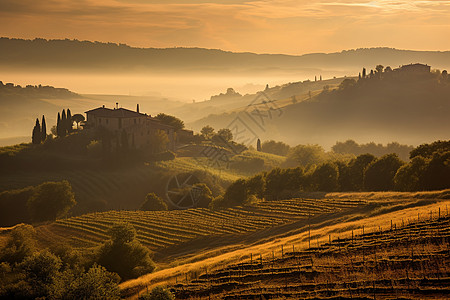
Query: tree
x,y
356,169
96,283
256,186
236,194
207,132
201,194
410,177
278,148
158,293
306,155
78,118
44,129
41,271
176,123
428,150
37,135
123,254
51,200
364,73
21,244
153,202
58,126
225,134
379,174
63,124
69,122
437,172
325,178
258,145
379,69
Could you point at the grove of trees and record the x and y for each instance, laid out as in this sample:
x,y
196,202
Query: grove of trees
x,y
428,169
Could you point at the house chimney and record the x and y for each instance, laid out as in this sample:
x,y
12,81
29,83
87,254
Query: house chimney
x,y
117,105
103,106
137,108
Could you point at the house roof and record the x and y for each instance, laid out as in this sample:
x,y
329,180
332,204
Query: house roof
x,y
114,113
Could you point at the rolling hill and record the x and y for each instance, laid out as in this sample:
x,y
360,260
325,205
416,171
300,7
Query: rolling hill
x,y
95,56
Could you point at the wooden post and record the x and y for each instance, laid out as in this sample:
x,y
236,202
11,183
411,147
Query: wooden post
x,y
391,224
282,253
329,239
352,237
251,259
439,214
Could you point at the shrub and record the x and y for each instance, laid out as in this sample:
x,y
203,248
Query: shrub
x,y
153,202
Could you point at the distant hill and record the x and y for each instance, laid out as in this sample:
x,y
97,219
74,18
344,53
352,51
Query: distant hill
x,y
41,54
10,90
408,107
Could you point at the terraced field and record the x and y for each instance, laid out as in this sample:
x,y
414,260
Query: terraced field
x,y
162,229
408,262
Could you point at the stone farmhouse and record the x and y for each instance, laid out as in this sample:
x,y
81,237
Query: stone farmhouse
x,y
138,127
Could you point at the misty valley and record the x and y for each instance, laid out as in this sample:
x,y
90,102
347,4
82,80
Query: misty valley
x,y
191,173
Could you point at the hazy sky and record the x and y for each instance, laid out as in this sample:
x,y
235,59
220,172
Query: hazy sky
x,y
272,26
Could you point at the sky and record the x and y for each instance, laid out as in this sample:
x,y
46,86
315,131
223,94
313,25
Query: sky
x,y
271,26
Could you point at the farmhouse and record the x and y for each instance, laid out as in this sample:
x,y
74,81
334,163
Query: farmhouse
x,y
138,127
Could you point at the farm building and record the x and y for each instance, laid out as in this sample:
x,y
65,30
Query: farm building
x,y
139,127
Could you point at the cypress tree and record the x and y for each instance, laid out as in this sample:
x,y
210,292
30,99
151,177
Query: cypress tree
x,y
258,145
63,123
69,121
364,73
44,129
36,137
58,126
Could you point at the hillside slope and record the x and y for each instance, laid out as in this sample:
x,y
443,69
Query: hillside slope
x,y
96,56
227,271
410,109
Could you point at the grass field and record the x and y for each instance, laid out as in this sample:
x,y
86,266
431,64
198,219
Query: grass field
x,y
125,187
373,215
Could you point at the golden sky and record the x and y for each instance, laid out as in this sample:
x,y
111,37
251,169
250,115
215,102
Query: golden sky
x,y
272,26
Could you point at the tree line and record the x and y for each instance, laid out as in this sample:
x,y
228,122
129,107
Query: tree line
x,y
428,169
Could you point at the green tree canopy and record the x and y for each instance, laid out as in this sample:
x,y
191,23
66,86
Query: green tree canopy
x,y
278,148
379,174
207,132
176,123
51,200
325,178
124,255
306,155
158,293
96,283
153,202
